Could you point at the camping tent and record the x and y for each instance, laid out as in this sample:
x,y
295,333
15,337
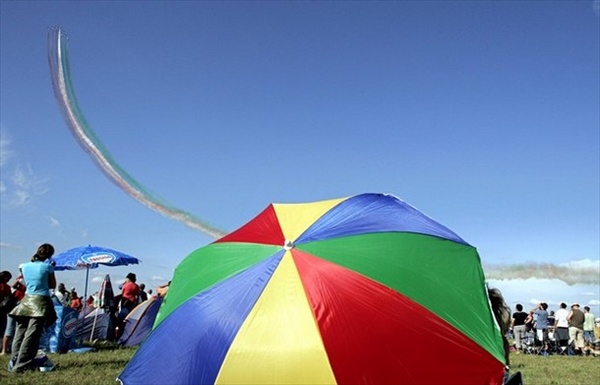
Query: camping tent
x,y
139,321
95,325
364,289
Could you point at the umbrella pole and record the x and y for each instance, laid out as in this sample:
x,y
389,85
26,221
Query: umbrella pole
x,y
87,276
82,323
94,325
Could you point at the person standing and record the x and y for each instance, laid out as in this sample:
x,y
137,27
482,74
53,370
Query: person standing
x,y
36,309
63,295
518,326
541,325
501,313
561,325
588,329
551,321
75,301
5,295
143,295
18,292
130,292
576,319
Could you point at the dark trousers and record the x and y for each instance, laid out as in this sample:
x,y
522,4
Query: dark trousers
x,y
26,342
3,322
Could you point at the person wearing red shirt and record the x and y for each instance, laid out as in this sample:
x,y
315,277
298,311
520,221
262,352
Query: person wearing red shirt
x,y
130,292
76,302
19,287
5,294
19,292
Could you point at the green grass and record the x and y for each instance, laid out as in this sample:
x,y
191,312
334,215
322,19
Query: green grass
x,y
557,370
99,367
104,365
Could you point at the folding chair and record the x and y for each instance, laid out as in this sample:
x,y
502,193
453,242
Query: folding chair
x,y
529,343
561,336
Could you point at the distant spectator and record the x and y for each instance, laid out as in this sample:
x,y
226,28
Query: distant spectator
x,y
529,322
130,292
551,321
143,295
561,325
541,325
63,296
76,301
129,299
18,292
518,326
6,297
162,289
588,329
89,303
576,319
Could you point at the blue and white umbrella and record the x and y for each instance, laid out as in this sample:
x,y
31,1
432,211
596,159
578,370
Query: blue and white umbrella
x,y
90,257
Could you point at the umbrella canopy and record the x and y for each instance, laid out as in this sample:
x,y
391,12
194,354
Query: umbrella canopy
x,y
363,289
90,257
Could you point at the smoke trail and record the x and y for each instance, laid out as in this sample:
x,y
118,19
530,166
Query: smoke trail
x,y
65,94
585,271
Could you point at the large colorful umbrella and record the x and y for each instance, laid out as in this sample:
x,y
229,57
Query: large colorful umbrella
x,y
364,289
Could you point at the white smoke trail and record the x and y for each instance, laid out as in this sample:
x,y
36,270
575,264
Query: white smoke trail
x,y
64,92
576,272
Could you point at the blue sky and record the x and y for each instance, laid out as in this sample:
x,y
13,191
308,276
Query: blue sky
x,y
484,115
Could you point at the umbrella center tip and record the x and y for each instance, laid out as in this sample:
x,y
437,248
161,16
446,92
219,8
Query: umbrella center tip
x,y
288,245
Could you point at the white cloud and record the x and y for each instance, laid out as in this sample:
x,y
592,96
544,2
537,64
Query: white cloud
x,y
97,279
531,291
583,264
22,184
590,293
6,245
5,151
157,278
25,179
54,222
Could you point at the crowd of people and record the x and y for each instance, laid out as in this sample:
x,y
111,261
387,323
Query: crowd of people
x,y
544,332
27,306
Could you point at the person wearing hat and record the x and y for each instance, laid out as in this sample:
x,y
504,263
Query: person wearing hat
x,y
576,319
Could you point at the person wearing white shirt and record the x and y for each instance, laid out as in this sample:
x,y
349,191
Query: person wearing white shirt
x,y
561,324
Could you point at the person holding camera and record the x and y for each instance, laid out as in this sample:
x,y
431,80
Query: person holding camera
x,y
541,325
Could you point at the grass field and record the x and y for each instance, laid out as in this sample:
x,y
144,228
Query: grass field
x,y
104,365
